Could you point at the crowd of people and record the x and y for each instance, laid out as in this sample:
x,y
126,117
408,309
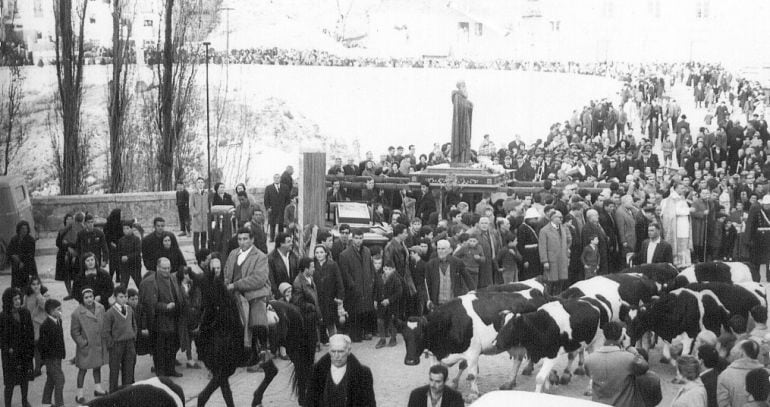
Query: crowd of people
x,y
699,201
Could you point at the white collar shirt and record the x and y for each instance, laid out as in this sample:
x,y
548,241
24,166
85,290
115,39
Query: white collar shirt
x,y
242,256
338,373
651,249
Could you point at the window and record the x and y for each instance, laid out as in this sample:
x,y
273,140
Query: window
x,y
20,195
555,25
39,35
653,8
478,29
92,20
148,23
38,8
702,9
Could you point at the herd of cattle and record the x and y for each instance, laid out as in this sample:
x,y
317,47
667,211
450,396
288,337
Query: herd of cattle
x,y
520,319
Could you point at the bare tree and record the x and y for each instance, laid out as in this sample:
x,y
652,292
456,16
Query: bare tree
x,y
119,96
184,27
13,110
69,75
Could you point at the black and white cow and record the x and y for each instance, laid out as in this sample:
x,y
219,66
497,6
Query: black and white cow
x,y
622,292
556,327
682,313
715,272
662,273
466,328
738,298
515,286
156,392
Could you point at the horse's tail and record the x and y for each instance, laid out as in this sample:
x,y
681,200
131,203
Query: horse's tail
x,y
300,342
303,360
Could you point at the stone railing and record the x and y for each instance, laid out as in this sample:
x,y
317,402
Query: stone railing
x,y
49,211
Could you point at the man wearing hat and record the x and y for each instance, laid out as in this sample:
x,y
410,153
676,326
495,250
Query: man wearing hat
x,y
758,232
528,242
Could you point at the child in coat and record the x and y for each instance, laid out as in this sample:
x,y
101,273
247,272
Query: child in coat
x,y
590,257
389,294
52,352
507,261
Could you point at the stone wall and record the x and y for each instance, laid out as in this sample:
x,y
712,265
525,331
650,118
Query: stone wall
x,y
144,206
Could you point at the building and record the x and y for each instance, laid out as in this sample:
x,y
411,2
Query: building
x,y
33,22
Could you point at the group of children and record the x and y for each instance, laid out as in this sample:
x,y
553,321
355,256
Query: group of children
x,y
116,335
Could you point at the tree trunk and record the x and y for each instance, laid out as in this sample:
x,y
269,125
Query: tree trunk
x,y
118,99
166,156
69,71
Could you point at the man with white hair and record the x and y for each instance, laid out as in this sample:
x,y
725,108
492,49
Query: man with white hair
x,y
339,379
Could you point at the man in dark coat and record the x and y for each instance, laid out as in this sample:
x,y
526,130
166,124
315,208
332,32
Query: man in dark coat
x,y
758,232
426,204
396,253
660,252
163,305
358,277
92,240
277,261
152,244
339,379
436,274
436,390
594,228
275,205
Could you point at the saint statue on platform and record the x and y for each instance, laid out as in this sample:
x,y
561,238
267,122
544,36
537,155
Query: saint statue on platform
x,y
461,125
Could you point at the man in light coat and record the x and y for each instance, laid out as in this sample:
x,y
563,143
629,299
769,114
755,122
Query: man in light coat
x,y
554,244
199,212
246,273
731,383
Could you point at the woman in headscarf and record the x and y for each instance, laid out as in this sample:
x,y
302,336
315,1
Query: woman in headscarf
x,y
675,215
17,345
113,231
21,253
220,334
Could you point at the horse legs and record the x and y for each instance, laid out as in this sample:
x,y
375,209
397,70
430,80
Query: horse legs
x,y
518,356
205,394
270,372
227,393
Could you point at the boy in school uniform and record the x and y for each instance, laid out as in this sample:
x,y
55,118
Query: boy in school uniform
x,y
130,255
52,352
590,257
119,332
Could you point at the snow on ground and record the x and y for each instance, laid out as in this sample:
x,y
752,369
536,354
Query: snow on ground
x,y
354,109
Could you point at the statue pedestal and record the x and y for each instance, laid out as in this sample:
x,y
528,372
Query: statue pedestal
x,y
464,176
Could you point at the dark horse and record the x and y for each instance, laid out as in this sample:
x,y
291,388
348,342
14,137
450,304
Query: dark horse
x,y
220,332
291,333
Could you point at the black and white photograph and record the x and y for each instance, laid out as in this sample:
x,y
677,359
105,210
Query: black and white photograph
x,y
398,203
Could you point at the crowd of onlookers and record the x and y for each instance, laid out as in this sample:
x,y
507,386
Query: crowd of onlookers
x,y
706,197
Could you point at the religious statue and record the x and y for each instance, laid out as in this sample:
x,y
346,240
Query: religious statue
x,y
461,125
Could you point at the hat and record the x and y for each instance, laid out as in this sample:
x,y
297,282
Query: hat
x,y
554,213
283,287
532,213
766,199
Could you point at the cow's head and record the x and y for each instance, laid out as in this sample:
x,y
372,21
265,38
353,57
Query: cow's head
x,y
513,324
414,339
660,316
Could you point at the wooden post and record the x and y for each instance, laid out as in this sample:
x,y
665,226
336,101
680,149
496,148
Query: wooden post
x,y
312,189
